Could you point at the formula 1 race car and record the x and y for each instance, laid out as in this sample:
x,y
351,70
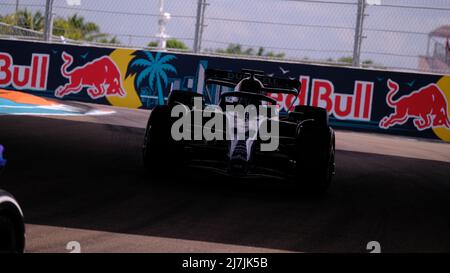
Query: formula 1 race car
x,y
179,133
12,227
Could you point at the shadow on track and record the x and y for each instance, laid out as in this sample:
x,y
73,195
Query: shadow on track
x,y
89,176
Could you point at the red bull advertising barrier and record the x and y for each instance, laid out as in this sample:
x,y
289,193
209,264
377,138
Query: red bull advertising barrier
x,y
398,103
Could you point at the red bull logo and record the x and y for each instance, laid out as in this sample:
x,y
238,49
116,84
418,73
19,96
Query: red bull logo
x,y
354,106
22,77
428,107
101,77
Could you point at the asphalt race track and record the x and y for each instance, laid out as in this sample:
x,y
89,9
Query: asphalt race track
x,y
80,179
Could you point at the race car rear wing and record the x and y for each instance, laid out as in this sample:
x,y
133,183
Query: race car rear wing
x,y
271,84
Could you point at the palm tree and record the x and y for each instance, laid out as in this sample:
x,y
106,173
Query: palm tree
x,y
76,28
111,41
171,43
237,49
73,27
151,71
25,19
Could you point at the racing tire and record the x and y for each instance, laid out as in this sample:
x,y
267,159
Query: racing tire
x,y
303,112
315,150
162,156
182,97
8,241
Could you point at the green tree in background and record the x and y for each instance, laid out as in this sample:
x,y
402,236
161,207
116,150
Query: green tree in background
x,y
346,60
349,60
261,52
171,43
174,43
106,40
237,49
76,28
153,44
25,19
73,27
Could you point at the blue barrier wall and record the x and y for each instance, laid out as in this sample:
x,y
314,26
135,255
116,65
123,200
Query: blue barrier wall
x,y
399,103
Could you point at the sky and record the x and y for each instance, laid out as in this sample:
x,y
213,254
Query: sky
x,y
300,29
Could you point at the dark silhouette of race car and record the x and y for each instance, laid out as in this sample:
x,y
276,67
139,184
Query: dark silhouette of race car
x,y
306,143
12,227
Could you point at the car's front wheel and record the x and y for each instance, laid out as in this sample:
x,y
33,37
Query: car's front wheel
x,y
8,236
162,156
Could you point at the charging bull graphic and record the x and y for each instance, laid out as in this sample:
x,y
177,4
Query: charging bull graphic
x,y
427,106
101,77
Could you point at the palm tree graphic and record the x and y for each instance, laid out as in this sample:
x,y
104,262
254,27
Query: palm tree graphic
x,y
151,71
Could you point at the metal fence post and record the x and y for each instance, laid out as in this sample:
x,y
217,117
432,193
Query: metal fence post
x,y
358,33
16,17
164,18
48,28
202,25
197,26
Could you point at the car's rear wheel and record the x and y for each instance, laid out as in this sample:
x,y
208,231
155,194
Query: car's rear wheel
x,y
315,166
303,112
315,150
